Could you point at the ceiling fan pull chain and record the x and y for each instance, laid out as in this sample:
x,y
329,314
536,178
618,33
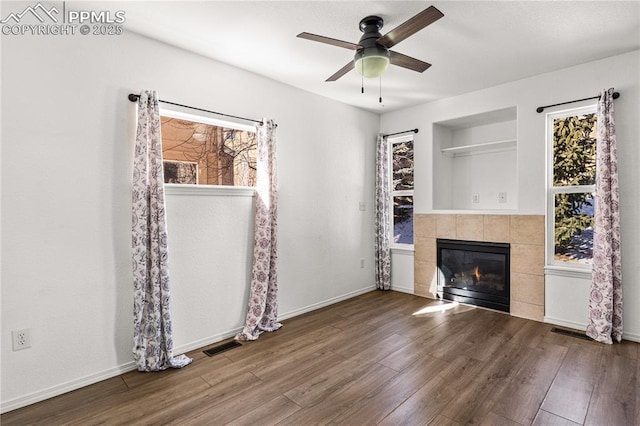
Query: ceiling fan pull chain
x,y
380,92
362,83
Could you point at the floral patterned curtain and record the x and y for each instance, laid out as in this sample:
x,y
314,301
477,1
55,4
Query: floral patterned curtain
x,y
152,335
605,299
262,312
383,251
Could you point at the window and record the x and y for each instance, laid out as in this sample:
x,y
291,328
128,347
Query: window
x,y
572,173
202,151
401,159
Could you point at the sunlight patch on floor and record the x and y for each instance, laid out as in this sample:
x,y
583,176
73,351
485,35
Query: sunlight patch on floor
x,y
440,307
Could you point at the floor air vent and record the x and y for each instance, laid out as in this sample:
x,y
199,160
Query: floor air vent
x,y
576,334
221,348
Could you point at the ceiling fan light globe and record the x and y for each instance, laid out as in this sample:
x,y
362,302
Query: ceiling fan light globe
x,y
371,63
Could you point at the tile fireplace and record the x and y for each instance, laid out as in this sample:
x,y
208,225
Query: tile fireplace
x,y
524,234
474,272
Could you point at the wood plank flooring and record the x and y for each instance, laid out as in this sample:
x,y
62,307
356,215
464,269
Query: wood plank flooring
x,y
375,359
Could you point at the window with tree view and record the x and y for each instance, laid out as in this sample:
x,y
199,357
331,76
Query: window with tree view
x,y
203,152
401,193
572,185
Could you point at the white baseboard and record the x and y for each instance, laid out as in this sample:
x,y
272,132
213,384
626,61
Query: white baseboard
x,y
313,307
402,289
192,346
565,323
32,398
69,386
632,337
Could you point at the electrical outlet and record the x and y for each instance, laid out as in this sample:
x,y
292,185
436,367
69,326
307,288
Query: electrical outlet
x,y
476,198
362,263
502,197
362,206
21,339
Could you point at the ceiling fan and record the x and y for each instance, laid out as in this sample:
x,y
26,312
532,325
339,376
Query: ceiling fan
x,y
372,55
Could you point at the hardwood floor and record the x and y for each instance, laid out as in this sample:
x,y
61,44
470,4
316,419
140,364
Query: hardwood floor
x,y
374,360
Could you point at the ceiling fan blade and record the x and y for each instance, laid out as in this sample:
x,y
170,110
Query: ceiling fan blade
x,y
342,71
408,62
410,27
329,40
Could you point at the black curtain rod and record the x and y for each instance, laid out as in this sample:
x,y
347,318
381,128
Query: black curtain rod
x,y
134,98
616,95
399,133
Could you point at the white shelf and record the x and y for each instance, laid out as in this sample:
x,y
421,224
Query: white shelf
x,y
479,212
480,148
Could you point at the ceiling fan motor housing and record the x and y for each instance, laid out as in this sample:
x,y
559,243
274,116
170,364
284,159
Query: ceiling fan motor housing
x,y
372,59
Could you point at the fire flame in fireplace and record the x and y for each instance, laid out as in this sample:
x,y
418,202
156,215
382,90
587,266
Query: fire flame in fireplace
x,y
476,272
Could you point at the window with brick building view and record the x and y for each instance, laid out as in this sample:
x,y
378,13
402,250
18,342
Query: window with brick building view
x,y
204,153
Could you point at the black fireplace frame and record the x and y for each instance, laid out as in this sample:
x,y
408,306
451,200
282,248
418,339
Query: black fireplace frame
x,y
491,301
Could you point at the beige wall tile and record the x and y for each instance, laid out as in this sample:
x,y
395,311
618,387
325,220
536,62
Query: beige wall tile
x,y
446,226
496,228
527,288
425,225
470,227
527,310
527,259
424,291
425,279
527,229
425,249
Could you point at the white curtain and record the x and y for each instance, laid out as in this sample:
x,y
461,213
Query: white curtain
x,y
152,334
262,312
382,243
605,298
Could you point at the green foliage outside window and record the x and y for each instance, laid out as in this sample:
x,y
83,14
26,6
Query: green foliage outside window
x,y
573,215
574,163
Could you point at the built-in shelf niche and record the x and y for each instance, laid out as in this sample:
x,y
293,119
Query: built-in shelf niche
x,y
475,162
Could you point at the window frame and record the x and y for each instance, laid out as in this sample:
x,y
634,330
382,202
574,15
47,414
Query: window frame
x,y
206,189
403,193
551,265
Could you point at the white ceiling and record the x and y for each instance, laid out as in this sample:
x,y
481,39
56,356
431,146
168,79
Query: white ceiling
x,y
477,44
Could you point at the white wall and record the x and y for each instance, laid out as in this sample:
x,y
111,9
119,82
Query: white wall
x,y
486,175
560,288
402,270
621,72
66,133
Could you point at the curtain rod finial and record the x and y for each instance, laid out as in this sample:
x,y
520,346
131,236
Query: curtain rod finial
x,y
133,97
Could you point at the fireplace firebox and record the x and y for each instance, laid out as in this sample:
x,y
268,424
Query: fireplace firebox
x,y
474,272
